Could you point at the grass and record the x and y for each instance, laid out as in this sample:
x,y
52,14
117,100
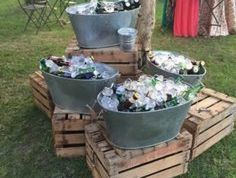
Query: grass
x,y
26,148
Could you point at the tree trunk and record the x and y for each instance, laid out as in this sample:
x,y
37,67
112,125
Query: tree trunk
x,y
146,24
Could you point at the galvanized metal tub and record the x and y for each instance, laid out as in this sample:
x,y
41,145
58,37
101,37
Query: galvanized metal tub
x,y
75,94
100,30
133,130
191,79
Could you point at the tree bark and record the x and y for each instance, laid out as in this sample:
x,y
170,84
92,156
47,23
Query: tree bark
x,y
146,24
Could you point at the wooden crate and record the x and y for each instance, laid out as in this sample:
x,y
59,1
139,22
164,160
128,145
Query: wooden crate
x,y
211,118
166,160
125,62
68,132
42,97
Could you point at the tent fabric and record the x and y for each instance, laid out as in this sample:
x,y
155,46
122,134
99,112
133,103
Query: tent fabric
x,y
186,18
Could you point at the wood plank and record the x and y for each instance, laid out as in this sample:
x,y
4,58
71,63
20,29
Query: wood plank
x,y
214,110
93,170
89,163
44,91
100,168
64,139
190,126
212,131
41,98
172,148
39,74
65,111
104,54
89,151
70,152
40,81
108,55
212,141
172,172
98,153
194,110
219,95
205,103
68,125
43,108
156,166
199,97
210,122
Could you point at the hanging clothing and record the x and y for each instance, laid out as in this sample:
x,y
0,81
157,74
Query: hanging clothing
x,y
213,18
186,18
168,14
230,12
222,29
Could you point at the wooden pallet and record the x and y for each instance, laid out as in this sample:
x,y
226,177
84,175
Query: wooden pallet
x,y
166,160
125,62
42,97
68,132
211,118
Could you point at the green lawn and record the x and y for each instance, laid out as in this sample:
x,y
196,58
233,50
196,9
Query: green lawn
x,y
26,148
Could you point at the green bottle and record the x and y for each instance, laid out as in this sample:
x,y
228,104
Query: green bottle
x,y
192,92
43,66
172,103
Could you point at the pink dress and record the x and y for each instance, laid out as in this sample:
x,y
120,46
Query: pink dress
x,y
186,18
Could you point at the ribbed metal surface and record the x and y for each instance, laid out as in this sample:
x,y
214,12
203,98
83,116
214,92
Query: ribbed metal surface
x,y
100,30
191,79
132,130
75,94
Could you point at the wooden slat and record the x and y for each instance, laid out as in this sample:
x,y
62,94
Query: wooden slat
x,y
39,74
39,84
65,111
110,54
100,168
190,126
213,130
174,147
209,143
43,108
94,171
89,151
41,98
194,110
156,166
210,122
199,97
38,87
64,139
214,110
89,163
219,95
99,154
172,172
70,152
68,125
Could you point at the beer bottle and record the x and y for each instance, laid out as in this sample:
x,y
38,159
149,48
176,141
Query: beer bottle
x,y
43,65
192,92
